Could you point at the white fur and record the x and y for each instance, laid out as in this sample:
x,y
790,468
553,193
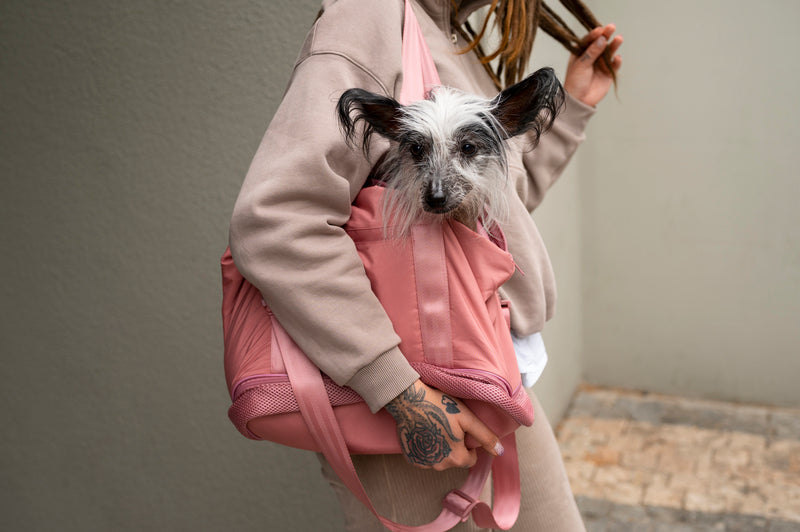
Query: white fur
x,y
447,120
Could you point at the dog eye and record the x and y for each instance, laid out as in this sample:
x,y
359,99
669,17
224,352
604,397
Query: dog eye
x,y
417,150
468,149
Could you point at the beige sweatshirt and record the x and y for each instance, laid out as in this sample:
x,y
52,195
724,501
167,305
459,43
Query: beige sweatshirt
x,y
286,232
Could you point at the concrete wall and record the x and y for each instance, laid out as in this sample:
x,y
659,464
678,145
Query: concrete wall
x,y
689,204
127,129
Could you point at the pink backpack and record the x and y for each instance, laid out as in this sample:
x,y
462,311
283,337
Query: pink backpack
x,y
439,288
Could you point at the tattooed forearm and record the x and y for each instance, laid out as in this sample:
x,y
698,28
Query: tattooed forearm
x,y
422,426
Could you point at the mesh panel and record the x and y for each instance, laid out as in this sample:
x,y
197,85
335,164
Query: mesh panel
x,y
518,405
278,398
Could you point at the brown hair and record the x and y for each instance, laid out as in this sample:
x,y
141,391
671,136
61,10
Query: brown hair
x,y
516,22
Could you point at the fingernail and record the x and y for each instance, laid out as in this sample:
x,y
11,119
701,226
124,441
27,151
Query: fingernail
x,y
499,449
601,42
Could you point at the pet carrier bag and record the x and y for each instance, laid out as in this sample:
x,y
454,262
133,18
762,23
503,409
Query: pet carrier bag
x,y
440,289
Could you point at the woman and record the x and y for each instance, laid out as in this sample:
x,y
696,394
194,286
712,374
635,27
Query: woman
x,y
287,237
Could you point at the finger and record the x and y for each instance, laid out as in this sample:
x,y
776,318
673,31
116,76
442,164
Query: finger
x,y
464,459
608,30
483,434
591,36
473,458
616,42
594,50
416,464
609,52
616,63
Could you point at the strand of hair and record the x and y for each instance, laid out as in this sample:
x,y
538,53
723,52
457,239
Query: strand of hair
x,y
581,13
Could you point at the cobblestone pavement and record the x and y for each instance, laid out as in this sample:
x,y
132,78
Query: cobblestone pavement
x,y
655,463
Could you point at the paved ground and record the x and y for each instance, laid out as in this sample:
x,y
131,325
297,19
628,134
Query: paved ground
x,y
654,463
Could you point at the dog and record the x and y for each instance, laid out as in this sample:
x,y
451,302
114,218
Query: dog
x,y
447,153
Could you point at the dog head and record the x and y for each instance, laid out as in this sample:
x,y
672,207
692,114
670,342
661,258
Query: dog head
x,y
447,152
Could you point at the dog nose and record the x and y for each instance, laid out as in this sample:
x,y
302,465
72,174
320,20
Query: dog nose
x,y
435,196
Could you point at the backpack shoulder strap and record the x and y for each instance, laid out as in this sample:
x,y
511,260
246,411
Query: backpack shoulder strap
x,y
457,506
419,70
419,77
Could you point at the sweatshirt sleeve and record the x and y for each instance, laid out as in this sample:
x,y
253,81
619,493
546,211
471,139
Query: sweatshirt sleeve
x,y
535,171
287,239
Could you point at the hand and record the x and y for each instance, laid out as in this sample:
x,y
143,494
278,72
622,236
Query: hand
x,y
588,79
431,427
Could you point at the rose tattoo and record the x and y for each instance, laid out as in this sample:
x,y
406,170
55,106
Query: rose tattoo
x,y
424,444
422,426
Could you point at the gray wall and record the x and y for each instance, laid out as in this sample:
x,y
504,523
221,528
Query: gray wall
x,y
127,129
689,204
558,220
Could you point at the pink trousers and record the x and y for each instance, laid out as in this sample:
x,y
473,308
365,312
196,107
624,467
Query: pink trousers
x,y
412,496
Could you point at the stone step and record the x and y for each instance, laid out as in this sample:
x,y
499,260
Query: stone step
x,y
730,464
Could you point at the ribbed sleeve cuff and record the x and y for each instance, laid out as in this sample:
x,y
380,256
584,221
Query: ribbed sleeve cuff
x,y
383,379
576,113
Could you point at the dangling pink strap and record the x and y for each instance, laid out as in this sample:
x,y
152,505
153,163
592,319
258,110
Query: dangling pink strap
x,y
419,77
457,506
419,70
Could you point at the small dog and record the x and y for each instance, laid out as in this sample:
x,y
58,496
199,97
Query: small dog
x,y
447,153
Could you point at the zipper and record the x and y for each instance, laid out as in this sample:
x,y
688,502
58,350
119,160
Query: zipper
x,y
496,379
255,380
252,381
480,374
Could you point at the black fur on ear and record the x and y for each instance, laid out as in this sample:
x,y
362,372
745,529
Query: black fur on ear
x,y
530,105
380,114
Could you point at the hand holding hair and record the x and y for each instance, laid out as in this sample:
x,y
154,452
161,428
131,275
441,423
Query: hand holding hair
x,y
587,78
432,427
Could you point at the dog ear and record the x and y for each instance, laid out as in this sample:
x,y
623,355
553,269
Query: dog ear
x,y
530,105
381,115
